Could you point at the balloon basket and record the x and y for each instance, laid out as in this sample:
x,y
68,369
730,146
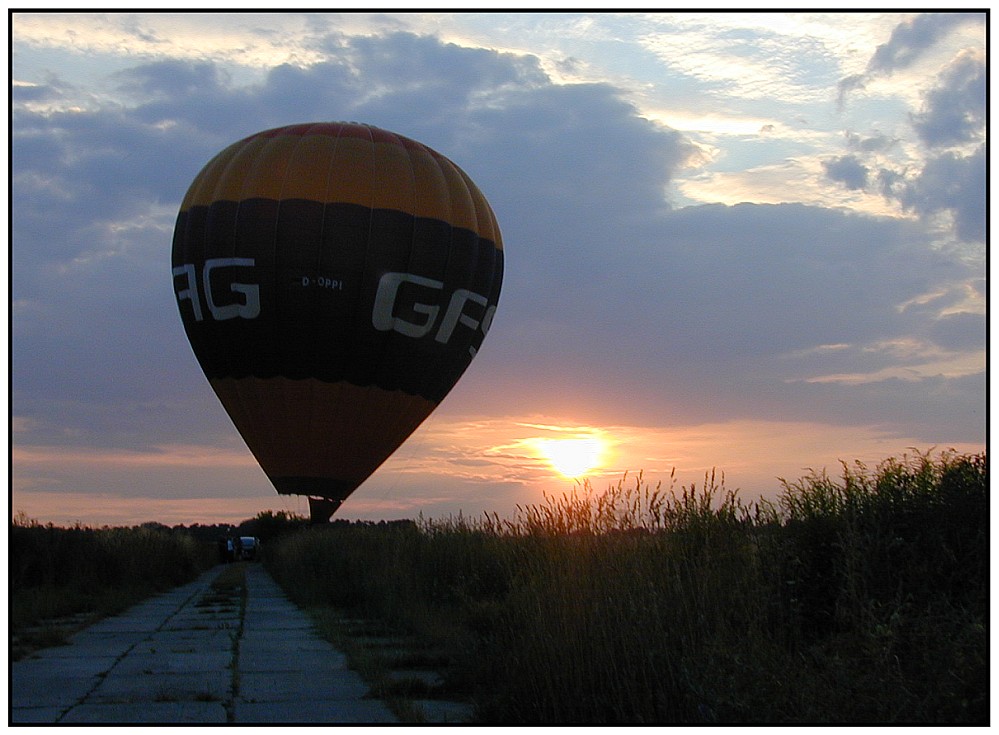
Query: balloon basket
x,y
321,509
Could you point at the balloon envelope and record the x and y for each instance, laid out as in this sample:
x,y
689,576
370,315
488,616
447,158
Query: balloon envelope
x,y
334,280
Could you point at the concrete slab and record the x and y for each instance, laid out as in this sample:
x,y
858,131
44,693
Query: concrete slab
x,y
174,662
186,640
80,667
49,688
198,686
200,612
88,644
274,621
299,686
148,713
201,624
268,659
147,622
284,642
166,602
35,714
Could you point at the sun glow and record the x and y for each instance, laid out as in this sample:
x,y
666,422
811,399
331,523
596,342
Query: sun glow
x,y
572,457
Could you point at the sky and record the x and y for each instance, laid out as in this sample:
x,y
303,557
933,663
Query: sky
x,y
752,243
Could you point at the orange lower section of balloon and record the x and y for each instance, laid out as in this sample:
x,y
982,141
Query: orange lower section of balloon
x,y
316,438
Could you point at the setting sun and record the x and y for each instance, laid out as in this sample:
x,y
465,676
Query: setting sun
x,y
572,457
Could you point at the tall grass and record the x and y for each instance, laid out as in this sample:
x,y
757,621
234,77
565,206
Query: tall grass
x,y
862,599
57,572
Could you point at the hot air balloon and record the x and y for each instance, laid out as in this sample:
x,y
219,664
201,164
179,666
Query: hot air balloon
x,y
334,280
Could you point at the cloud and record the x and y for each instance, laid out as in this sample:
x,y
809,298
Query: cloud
x,y
910,361
846,86
950,181
37,95
847,170
952,184
686,319
913,38
909,43
959,331
876,143
954,111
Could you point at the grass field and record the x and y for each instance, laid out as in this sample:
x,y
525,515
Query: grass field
x,y
862,598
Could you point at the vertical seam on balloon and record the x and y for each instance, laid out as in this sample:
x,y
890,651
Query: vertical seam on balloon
x,y
311,429
496,238
241,407
283,382
477,200
391,339
460,177
438,161
352,313
411,403
251,389
355,316
495,252
415,406
241,387
281,379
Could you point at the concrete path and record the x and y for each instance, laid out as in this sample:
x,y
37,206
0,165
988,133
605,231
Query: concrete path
x,y
189,656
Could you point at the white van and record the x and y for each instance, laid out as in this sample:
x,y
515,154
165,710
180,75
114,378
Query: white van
x,y
247,547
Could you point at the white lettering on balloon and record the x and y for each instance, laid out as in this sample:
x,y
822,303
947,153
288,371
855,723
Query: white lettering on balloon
x,y
465,308
247,308
389,287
